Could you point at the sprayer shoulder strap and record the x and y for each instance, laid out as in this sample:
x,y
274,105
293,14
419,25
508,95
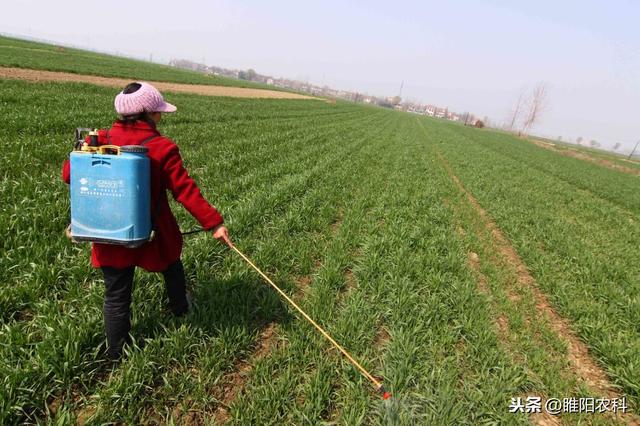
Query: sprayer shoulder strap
x,y
156,208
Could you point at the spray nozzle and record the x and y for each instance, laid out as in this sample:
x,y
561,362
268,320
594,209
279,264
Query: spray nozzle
x,y
385,394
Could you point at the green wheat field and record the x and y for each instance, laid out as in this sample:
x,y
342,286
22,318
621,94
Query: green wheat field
x,y
361,214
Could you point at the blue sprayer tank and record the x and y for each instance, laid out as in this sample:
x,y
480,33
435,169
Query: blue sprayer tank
x,y
111,195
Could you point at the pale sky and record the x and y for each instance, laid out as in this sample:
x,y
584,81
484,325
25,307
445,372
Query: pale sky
x,y
463,54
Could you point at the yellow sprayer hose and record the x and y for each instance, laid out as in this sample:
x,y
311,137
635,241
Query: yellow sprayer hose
x,y
368,375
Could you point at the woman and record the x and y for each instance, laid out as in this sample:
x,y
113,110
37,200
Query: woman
x,y
140,107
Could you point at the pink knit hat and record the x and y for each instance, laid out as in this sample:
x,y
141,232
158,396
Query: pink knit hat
x,y
146,99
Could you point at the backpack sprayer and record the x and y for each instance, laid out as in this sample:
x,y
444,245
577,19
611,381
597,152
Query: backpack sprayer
x,y
110,192
111,203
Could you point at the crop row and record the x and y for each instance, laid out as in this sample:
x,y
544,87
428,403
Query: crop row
x,y
575,226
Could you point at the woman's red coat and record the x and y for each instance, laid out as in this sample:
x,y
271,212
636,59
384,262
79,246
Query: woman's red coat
x,y
167,173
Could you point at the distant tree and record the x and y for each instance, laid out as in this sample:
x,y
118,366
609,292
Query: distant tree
x,y
537,104
616,146
594,144
579,140
560,138
633,151
517,110
479,124
249,75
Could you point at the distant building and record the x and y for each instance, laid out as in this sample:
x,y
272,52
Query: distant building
x,y
430,110
394,102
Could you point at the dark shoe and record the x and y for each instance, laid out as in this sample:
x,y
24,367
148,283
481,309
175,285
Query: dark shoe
x,y
184,309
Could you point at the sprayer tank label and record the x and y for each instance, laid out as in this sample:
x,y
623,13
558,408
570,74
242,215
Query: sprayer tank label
x,y
102,187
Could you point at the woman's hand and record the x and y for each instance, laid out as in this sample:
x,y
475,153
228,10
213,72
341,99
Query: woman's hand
x,y
221,234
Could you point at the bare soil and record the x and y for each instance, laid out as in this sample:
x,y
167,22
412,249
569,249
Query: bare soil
x,y
586,157
198,89
382,337
303,285
234,382
501,322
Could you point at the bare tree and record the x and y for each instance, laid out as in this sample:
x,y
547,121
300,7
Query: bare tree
x,y
634,150
616,146
537,105
517,110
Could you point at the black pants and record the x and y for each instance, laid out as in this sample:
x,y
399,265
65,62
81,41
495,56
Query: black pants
x,y
117,301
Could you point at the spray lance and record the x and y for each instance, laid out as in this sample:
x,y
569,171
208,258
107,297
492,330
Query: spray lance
x,y
375,382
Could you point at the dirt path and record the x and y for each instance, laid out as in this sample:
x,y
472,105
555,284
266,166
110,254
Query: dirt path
x,y
198,89
234,382
570,152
